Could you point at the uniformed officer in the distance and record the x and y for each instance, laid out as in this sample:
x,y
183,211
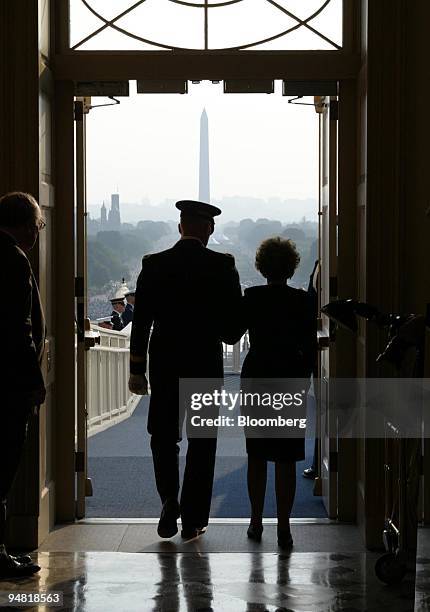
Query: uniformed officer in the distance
x,y
127,315
117,313
191,296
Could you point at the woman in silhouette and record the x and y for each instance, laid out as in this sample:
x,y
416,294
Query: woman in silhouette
x,y
283,340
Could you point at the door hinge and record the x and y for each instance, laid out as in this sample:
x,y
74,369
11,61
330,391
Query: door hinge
x,y
333,461
334,110
79,461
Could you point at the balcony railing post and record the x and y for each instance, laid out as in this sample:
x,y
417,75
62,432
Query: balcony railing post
x,y
108,398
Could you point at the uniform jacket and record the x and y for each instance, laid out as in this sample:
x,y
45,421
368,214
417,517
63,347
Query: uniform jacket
x,y
23,332
192,297
127,315
116,320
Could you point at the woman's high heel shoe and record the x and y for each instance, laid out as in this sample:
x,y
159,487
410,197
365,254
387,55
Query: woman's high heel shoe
x,y
255,532
285,540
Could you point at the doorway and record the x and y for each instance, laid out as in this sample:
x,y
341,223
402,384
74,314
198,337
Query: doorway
x,y
120,232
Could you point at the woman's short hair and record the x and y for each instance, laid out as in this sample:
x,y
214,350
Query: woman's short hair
x,y
18,209
277,258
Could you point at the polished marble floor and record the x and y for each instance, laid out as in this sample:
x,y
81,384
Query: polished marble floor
x,y
222,582
141,537
125,567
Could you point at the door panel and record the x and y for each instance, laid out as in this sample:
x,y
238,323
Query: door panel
x,y
46,272
81,307
328,256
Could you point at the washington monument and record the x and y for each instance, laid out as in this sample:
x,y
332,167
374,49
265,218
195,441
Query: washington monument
x,y
204,183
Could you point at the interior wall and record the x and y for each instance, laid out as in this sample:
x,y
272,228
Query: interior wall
x,y
415,222
392,199
25,165
415,241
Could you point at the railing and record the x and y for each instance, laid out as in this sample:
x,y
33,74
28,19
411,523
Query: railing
x,y
233,355
108,398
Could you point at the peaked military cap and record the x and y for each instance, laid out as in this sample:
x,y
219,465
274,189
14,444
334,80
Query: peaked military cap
x,y
198,209
117,300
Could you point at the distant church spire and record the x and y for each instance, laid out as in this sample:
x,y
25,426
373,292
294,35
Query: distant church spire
x,y
103,216
114,217
204,182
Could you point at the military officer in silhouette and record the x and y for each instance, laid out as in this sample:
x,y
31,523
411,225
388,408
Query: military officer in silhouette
x,y
191,297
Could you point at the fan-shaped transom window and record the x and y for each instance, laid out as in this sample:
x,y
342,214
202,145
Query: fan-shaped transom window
x,y
211,25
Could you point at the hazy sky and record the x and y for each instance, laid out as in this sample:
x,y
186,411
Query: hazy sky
x,y
148,146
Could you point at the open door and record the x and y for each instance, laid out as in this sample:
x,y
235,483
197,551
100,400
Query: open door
x,y
328,109
82,483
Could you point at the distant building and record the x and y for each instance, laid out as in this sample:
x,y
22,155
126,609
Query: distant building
x,y
111,220
103,217
114,219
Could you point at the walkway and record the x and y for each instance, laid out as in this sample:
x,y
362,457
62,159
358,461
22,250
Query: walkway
x,y
120,466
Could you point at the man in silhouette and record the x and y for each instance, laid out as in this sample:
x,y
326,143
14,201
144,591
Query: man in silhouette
x,y
23,338
191,297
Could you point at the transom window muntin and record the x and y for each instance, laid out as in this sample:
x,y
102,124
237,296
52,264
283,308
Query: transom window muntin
x,y
205,26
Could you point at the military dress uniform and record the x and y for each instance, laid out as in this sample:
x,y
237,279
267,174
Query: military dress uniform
x,y
191,297
127,315
116,318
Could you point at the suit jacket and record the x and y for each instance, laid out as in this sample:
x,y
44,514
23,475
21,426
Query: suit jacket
x,y
191,296
282,332
23,332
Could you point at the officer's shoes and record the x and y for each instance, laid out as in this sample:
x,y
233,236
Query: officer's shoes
x,y
10,568
167,525
189,533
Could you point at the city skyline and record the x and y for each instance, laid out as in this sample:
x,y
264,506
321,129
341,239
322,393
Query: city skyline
x,y
235,208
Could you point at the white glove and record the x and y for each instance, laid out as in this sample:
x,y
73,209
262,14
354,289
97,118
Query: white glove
x,y
138,384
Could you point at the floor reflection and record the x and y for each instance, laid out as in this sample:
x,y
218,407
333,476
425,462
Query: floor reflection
x,y
170,581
